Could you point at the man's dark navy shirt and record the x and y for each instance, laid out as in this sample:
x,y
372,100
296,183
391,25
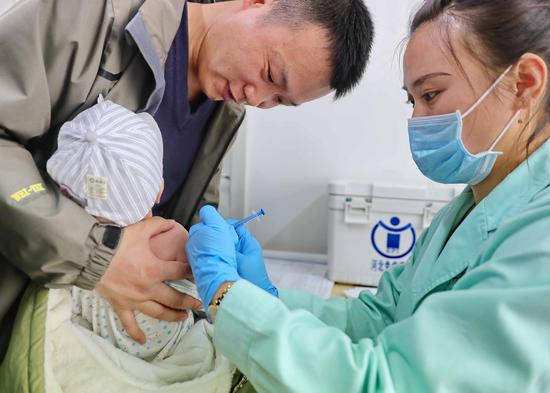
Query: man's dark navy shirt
x,y
181,123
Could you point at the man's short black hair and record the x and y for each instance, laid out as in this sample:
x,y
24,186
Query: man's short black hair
x,y
351,32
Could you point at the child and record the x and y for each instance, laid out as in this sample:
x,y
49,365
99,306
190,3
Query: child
x,y
109,160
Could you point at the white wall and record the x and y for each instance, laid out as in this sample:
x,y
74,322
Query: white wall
x,y
292,153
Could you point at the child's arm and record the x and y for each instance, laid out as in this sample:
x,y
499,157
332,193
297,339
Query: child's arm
x,y
170,245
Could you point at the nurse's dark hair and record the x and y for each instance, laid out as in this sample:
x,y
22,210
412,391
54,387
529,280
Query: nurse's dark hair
x,y
350,34
497,33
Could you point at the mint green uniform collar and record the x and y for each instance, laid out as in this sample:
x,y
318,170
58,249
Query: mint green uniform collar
x,y
520,186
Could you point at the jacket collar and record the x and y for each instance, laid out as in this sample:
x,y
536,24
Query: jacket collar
x,y
162,19
153,30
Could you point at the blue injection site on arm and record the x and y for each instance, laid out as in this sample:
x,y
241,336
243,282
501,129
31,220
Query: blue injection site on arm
x,y
249,218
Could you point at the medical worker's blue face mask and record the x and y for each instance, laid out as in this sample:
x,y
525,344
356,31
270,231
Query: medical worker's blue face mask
x,y
438,150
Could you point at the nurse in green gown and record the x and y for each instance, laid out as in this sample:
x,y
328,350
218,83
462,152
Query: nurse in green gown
x,y
470,311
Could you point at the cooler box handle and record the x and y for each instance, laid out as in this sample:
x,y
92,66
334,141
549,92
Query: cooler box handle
x,y
357,211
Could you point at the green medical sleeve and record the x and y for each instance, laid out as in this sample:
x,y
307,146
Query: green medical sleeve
x,y
363,317
478,340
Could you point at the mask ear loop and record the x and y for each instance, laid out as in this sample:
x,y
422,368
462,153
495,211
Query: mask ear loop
x,y
504,130
483,97
489,91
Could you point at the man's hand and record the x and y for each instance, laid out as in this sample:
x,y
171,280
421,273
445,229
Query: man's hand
x,y
134,278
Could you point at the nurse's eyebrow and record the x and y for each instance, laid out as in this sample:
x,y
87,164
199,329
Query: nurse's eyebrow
x,y
426,77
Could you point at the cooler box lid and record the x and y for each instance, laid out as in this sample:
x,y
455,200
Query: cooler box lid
x,y
366,189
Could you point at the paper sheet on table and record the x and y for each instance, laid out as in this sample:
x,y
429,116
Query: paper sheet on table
x,y
303,276
355,291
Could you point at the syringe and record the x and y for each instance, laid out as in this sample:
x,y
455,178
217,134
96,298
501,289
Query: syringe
x,y
249,218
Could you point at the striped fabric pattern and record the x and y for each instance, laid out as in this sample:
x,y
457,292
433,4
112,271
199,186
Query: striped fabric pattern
x,y
109,160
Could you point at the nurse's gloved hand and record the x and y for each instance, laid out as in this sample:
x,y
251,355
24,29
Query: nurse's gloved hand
x,y
211,253
250,261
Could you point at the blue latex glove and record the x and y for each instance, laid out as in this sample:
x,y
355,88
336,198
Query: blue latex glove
x,y
211,253
250,261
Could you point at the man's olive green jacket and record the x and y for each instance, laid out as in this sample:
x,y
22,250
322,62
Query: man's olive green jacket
x,y
56,57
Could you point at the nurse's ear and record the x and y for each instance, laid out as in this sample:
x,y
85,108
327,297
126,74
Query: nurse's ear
x,y
531,79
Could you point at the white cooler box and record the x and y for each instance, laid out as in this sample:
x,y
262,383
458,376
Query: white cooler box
x,y
373,227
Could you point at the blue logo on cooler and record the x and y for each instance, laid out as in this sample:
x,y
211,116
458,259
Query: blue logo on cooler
x,y
398,241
